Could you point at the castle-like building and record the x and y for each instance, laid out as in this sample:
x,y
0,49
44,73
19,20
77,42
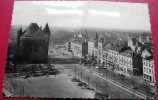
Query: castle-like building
x,y
32,44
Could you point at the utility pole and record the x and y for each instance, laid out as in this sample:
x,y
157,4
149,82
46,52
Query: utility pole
x,y
75,71
96,84
81,76
88,79
106,86
147,89
106,72
114,76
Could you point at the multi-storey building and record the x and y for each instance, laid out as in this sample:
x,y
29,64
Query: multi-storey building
x,y
130,63
148,65
105,59
113,55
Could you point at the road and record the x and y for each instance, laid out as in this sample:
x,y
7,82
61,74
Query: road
x,y
128,82
99,83
140,91
59,86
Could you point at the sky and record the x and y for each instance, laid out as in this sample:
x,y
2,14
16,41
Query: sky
x,y
82,14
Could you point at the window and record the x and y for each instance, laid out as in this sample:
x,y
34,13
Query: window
x,y
150,78
144,76
149,71
146,70
146,63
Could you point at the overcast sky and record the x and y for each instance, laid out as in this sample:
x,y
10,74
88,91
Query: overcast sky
x,y
98,14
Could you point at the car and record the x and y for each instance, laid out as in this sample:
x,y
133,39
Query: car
x,y
104,67
27,76
97,67
134,87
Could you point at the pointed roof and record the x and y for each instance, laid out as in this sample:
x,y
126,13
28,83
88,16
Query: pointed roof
x,y
147,54
39,34
31,30
46,30
20,31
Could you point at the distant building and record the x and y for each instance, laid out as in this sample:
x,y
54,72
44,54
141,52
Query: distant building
x,y
68,46
132,43
32,44
91,46
79,46
76,49
130,63
148,65
145,39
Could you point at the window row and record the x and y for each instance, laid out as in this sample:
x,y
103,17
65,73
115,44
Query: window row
x,y
148,70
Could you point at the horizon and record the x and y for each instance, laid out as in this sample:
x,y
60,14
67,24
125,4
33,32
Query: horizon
x,y
88,28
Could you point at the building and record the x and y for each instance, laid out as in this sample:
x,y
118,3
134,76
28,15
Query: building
x,y
130,63
76,49
132,43
68,46
145,38
32,44
148,65
91,46
113,55
79,46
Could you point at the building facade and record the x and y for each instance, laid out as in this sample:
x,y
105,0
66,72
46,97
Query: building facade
x,y
33,44
130,63
148,65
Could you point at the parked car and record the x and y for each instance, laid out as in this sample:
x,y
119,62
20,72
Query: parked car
x,y
27,76
134,87
96,67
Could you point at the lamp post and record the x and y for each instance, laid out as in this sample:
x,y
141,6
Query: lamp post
x,y
81,75
147,90
75,71
88,79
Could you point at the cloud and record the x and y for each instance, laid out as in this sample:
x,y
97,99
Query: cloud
x,y
68,4
104,13
63,12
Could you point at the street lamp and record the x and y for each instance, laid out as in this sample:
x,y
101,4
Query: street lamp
x,y
81,76
147,89
75,71
88,78
114,76
96,85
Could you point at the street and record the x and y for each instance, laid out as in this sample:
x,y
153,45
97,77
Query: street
x,y
59,86
142,90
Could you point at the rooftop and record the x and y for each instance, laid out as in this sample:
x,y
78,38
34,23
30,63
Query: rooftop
x,y
127,53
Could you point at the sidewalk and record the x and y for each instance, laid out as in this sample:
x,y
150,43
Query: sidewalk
x,y
101,74
126,88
